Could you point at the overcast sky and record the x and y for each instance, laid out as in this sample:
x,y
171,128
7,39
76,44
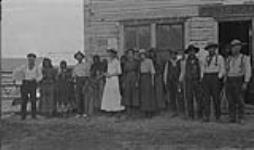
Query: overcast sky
x,y
41,26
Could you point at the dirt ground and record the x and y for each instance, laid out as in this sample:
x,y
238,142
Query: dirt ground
x,y
108,133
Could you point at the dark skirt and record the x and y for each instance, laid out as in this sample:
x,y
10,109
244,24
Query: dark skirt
x,y
160,92
130,96
63,93
47,102
148,102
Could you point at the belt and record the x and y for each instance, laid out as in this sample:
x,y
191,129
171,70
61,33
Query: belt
x,y
211,73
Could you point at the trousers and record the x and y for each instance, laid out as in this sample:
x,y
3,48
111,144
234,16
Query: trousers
x,y
28,93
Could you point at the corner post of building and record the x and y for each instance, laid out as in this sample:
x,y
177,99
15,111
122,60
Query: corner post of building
x,y
121,38
252,38
153,35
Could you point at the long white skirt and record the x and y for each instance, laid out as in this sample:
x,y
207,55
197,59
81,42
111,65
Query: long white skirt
x,y
111,100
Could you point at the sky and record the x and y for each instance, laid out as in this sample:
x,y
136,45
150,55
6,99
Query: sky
x,y
41,26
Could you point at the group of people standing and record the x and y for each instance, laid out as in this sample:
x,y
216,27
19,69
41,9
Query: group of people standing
x,y
141,83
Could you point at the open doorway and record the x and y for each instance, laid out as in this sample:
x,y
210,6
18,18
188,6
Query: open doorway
x,y
235,30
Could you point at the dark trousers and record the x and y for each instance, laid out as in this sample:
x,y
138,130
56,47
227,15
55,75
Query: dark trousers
x,y
79,94
234,95
193,91
28,93
211,85
172,88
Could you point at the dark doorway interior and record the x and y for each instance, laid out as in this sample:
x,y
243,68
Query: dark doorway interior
x,y
235,30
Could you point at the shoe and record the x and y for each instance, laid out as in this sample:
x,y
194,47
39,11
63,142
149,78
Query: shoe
x,y
232,121
84,116
77,116
206,120
240,121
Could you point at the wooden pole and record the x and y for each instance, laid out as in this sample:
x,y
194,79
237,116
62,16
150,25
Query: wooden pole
x,y
0,59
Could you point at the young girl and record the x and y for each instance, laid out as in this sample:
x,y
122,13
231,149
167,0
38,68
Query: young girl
x,y
63,88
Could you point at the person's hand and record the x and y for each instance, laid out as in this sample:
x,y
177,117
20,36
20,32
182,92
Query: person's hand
x,y
244,86
136,84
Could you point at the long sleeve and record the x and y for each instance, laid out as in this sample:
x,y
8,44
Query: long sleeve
x,y
222,67
118,67
247,67
165,73
152,67
39,75
182,72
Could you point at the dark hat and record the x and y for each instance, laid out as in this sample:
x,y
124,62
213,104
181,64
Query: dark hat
x,y
79,53
130,50
192,47
113,51
31,55
211,45
236,42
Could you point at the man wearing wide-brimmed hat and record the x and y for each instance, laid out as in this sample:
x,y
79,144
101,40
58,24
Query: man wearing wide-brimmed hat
x,y
191,72
213,69
171,79
81,73
238,77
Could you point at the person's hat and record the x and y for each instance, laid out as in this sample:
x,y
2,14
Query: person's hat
x,y
192,47
111,51
31,55
79,53
128,50
236,42
211,45
142,51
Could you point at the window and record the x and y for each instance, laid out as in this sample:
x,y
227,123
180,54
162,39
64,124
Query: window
x,y
169,36
137,36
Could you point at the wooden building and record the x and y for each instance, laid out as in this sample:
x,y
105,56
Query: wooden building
x,y
166,24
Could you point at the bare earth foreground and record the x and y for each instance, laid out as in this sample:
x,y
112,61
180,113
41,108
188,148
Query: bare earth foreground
x,y
106,133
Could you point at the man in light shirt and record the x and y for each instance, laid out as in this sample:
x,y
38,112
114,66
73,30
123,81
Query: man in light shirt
x,y
213,69
81,74
29,74
238,77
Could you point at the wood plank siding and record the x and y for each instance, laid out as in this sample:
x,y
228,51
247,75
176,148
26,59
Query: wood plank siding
x,y
105,20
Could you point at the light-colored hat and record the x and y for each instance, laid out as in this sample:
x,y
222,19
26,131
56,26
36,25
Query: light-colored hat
x,y
211,45
141,51
236,42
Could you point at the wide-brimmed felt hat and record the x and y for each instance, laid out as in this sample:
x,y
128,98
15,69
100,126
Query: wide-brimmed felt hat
x,y
191,47
31,55
113,51
211,45
236,42
79,53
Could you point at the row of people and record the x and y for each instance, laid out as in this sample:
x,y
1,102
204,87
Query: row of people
x,y
140,81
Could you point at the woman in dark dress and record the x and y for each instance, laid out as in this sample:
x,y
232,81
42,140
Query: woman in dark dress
x,y
63,88
159,94
48,101
147,72
97,71
130,95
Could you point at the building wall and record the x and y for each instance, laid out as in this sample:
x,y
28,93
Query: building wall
x,y
103,18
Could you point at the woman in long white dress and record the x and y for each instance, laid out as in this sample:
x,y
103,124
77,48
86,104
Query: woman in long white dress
x,y
111,100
